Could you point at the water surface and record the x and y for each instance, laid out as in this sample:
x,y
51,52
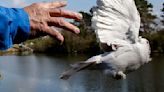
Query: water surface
x,y
40,73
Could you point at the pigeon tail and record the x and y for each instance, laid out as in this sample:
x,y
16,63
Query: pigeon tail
x,y
76,68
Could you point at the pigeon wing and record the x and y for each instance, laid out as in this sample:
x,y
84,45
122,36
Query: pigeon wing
x,y
116,21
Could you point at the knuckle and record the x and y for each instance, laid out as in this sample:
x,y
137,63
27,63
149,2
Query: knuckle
x,y
60,11
61,22
35,4
59,2
39,5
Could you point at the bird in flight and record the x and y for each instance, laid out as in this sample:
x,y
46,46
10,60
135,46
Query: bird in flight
x,y
116,24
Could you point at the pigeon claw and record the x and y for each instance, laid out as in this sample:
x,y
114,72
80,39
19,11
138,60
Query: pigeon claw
x,y
120,75
64,77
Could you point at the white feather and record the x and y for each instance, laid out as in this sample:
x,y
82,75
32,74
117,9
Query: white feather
x,y
116,19
117,22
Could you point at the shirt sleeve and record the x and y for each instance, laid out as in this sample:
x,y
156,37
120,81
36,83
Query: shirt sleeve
x,y
14,26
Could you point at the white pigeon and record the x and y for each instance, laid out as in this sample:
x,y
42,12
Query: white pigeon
x,y
116,24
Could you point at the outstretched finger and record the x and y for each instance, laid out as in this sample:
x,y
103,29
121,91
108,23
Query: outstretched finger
x,y
54,33
59,22
65,13
53,4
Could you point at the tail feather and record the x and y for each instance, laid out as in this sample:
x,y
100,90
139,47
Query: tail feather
x,y
76,68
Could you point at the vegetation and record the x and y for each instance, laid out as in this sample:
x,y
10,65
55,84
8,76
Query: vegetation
x,y
147,18
148,25
86,41
162,16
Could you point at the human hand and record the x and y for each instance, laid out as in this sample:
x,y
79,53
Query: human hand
x,y
44,15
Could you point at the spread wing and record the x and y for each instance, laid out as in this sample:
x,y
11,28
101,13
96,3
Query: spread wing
x,y
116,21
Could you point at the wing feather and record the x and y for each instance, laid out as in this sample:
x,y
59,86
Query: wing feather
x,y
116,21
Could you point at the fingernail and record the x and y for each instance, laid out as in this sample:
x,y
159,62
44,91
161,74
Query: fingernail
x,y
81,16
61,38
77,31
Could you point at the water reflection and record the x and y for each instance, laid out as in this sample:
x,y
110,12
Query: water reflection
x,y
40,73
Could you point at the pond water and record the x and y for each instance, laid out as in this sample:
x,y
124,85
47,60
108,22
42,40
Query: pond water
x,y
40,73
